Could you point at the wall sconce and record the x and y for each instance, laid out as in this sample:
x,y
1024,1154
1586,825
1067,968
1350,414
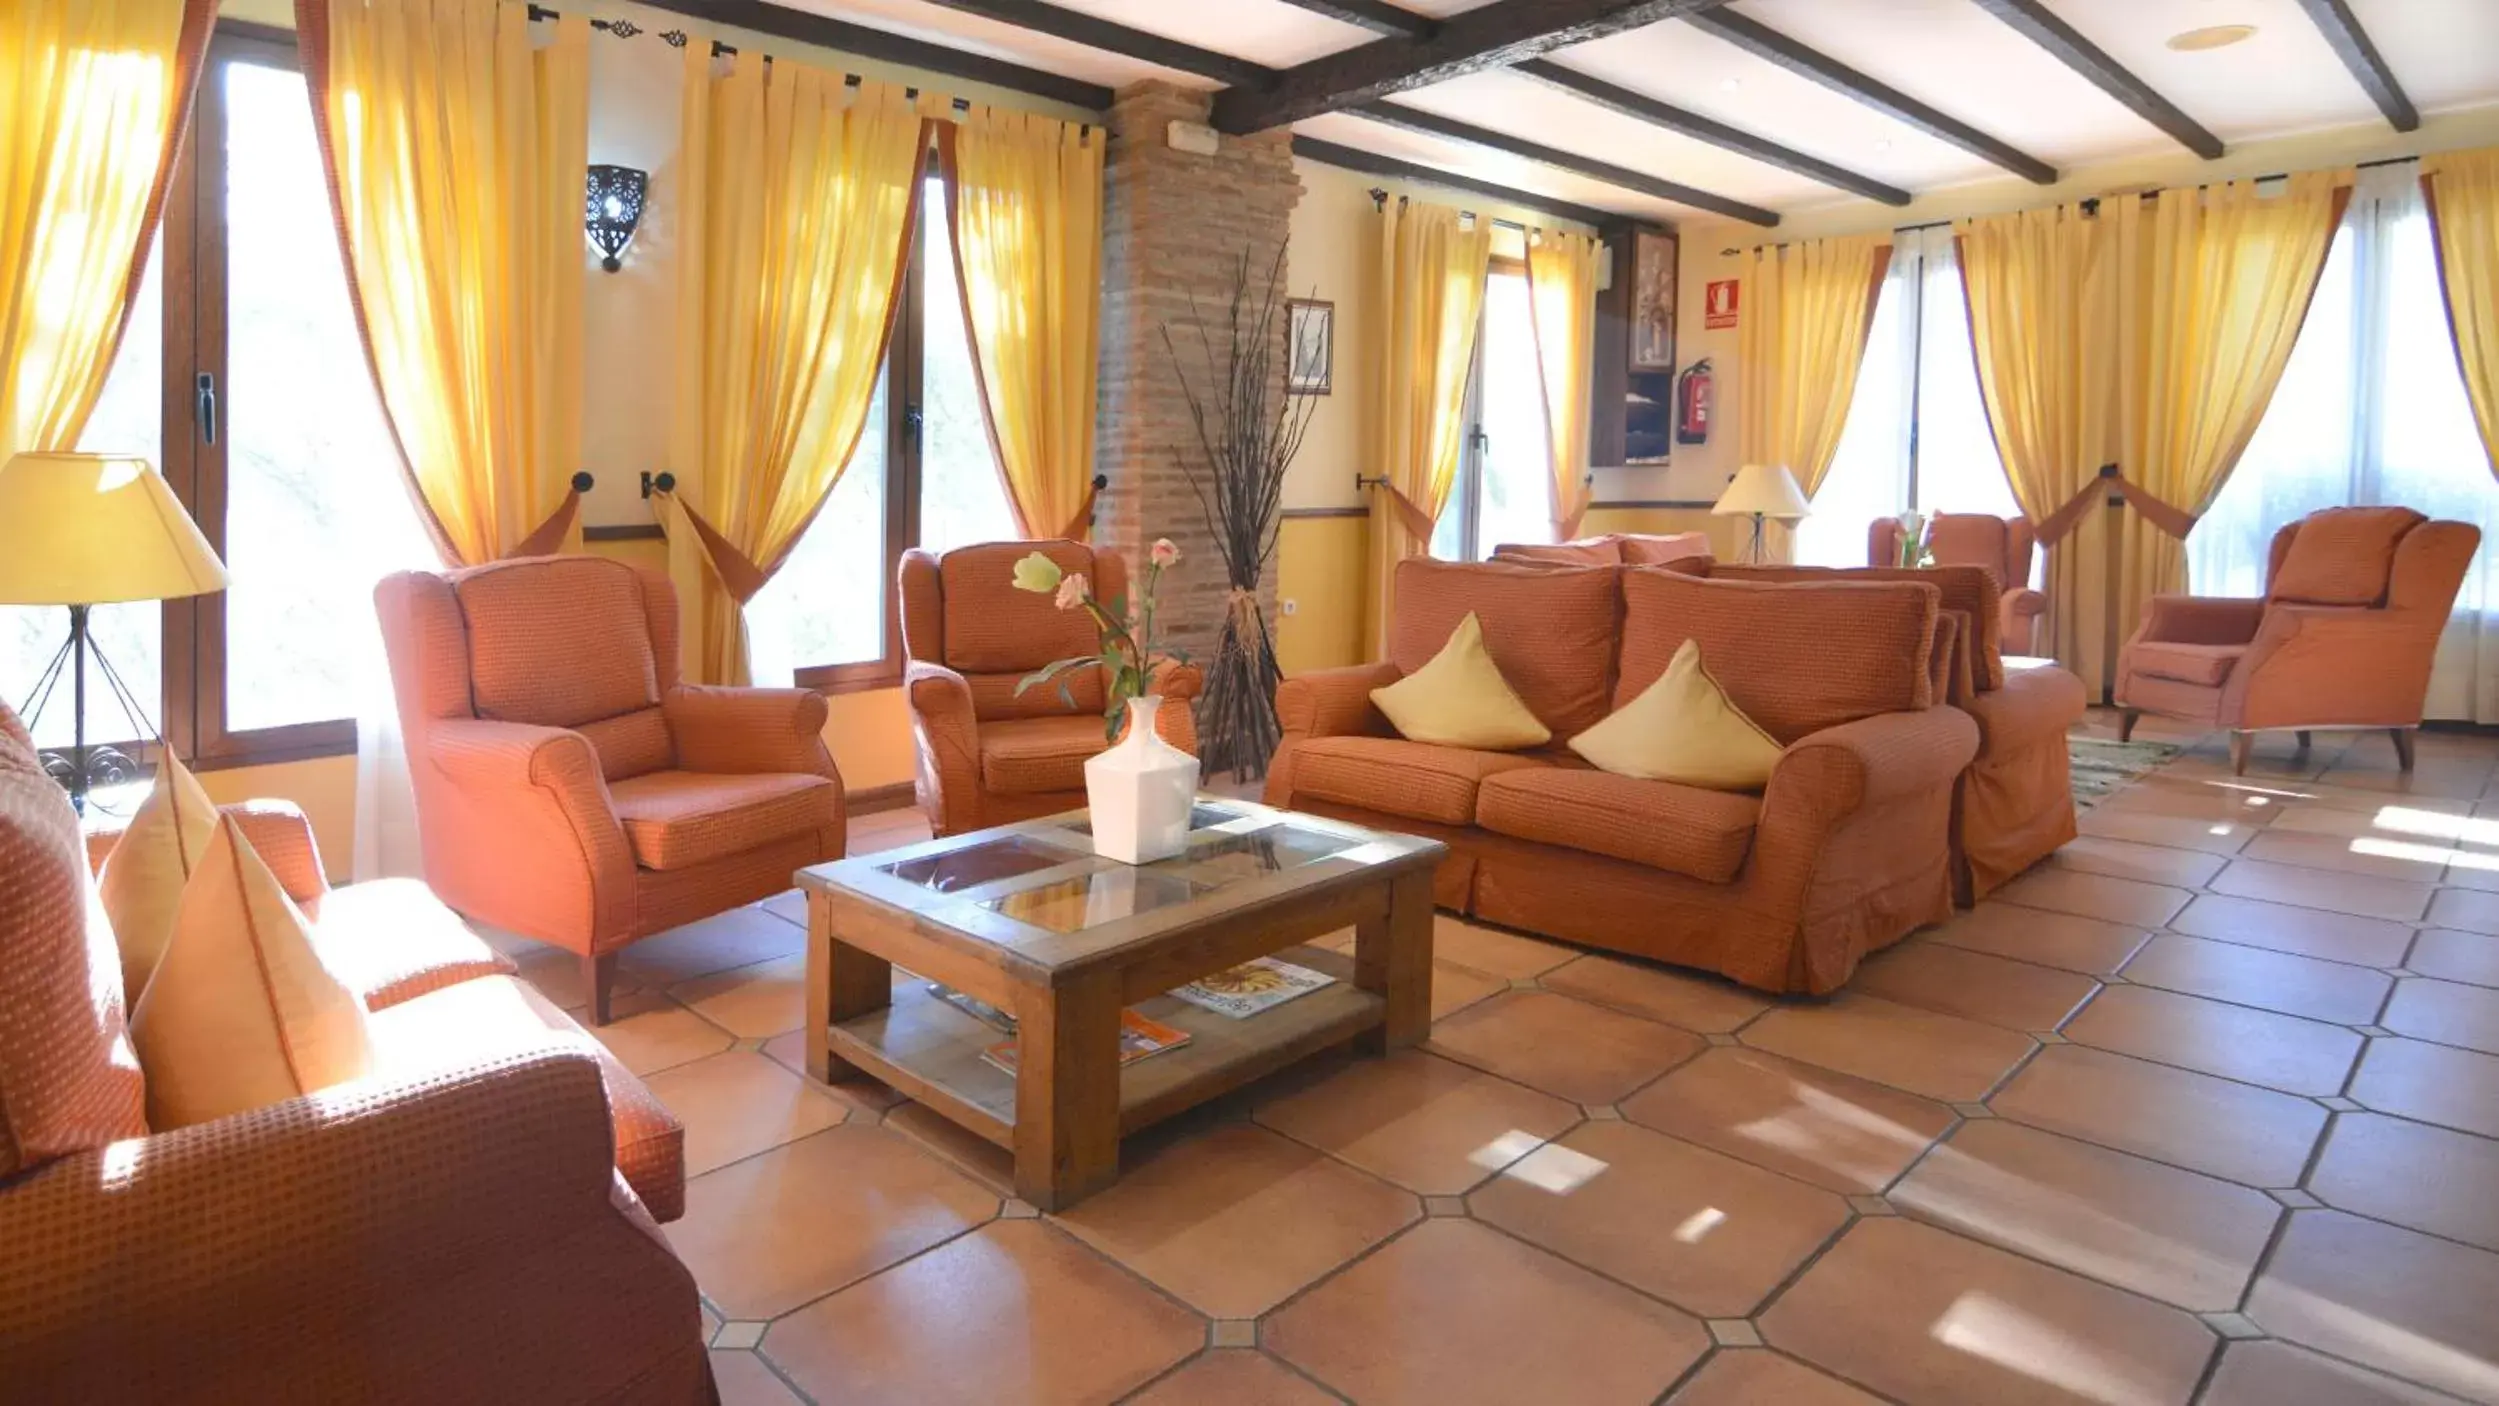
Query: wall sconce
x,y
611,208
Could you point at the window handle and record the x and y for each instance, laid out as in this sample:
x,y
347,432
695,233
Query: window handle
x,y
204,405
911,418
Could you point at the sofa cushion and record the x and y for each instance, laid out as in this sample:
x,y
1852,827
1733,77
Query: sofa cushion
x,y
392,940
1030,756
1683,729
993,628
2342,556
1796,658
631,744
558,641
1551,629
1396,777
1971,539
1682,829
2206,664
1660,548
142,879
1971,590
678,819
1586,551
1460,699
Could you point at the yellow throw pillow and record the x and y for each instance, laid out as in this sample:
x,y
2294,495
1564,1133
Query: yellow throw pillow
x,y
141,883
1682,728
1460,699
241,1014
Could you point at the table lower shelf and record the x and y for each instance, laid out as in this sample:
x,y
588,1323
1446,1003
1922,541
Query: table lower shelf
x,y
931,1051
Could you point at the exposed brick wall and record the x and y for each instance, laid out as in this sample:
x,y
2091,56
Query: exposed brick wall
x,y
1175,227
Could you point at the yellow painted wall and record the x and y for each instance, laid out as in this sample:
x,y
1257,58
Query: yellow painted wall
x,y
1319,572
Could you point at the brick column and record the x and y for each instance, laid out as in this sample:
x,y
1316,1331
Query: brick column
x,y
1175,227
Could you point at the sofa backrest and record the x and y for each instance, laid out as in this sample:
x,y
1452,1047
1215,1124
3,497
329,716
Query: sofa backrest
x,y
1551,630
1797,658
2003,545
1606,550
962,609
1658,549
2338,556
1968,591
574,642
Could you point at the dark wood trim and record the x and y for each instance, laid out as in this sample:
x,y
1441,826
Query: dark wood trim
x,y
335,740
625,532
1372,15
871,800
1763,42
2034,21
1415,119
2352,45
1650,503
1643,108
1371,163
809,28
1306,514
1111,37
1489,36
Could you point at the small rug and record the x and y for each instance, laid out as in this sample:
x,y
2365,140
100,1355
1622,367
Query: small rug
x,y
2102,767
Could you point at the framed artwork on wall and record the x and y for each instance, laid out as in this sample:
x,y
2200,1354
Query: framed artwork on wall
x,y
1310,337
1653,301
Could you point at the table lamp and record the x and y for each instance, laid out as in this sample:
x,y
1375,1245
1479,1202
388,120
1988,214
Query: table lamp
x,y
84,530
1761,492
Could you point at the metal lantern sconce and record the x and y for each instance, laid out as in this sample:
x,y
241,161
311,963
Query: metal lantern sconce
x,y
611,208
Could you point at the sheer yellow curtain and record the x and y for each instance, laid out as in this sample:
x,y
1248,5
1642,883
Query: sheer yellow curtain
x,y
2212,286
456,153
2463,191
796,198
1024,198
1798,348
1428,297
1562,297
97,93
2042,329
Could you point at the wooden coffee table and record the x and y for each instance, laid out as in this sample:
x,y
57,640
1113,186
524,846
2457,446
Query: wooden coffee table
x,y
1028,919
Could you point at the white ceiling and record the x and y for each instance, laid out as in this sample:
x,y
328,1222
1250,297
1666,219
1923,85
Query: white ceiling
x,y
1949,54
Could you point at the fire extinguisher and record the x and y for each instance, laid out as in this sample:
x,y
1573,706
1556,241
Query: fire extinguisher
x,y
1692,404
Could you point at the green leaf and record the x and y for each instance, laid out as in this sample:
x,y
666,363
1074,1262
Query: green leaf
x,y
1048,672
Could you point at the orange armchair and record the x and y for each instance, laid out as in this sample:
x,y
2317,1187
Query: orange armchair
x,y
987,755
568,787
2354,603
2001,544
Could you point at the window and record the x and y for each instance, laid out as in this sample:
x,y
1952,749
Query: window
x,y
1504,491
923,475
1917,432
2371,409
243,308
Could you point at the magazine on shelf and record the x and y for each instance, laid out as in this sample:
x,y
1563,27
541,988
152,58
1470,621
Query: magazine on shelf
x,y
1139,1036
974,1007
1256,985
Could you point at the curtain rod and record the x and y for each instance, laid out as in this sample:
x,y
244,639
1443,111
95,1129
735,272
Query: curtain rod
x,y
1379,201
678,39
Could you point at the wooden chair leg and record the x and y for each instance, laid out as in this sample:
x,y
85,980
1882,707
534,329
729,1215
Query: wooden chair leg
x,y
2126,723
598,972
2302,734
2241,744
2403,745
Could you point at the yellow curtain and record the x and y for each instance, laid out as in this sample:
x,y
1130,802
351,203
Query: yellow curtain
x,y
1024,198
1429,297
2463,191
1562,298
796,198
2041,326
2212,287
456,154
98,92
1809,306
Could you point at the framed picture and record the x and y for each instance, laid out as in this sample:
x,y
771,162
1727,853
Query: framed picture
x,y
1652,301
1310,335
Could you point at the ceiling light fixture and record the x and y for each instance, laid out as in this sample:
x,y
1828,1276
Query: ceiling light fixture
x,y
2211,36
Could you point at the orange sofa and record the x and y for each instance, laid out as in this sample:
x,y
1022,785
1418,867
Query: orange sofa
x,y
2355,600
987,754
1611,549
1847,850
2003,545
453,1227
568,787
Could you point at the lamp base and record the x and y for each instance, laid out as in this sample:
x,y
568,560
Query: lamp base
x,y
1756,550
80,768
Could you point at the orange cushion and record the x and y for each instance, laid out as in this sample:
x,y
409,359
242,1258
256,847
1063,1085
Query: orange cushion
x,y
1587,551
2205,664
1390,774
1971,590
557,641
1661,548
2343,556
1683,829
1796,659
1551,630
1034,755
1971,539
392,940
678,819
631,744
993,628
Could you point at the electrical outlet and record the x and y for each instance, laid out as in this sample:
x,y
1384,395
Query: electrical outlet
x,y
1289,606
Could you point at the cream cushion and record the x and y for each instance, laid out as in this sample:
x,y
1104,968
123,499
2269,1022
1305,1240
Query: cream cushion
x,y
1682,728
241,1014
142,880
1459,699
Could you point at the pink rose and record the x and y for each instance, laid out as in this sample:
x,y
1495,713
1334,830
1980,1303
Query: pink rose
x,y
1072,590
1164,552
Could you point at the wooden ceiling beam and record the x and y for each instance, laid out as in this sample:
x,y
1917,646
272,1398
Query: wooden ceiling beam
x,y
1432,124
805,27
2352,45
1094,32
1489,36
1373,15
1763,42
1373,164
2033,20
1641,107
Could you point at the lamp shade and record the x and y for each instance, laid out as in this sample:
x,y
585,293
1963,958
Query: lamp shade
x,y
1767,489
89,529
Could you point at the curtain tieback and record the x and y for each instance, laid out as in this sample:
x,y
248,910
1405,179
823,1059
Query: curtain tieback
x,y
1418,523
550,536
2051,529
738,573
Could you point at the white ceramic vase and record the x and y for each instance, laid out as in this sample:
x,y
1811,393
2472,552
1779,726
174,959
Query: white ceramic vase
x,y
1141,790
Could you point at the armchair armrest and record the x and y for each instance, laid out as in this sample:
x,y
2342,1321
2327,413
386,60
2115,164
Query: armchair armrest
x,y
282,835
1178,680
1335,702
2200,620
2022,603
1840,770
518,799
948,730
749,730
2323,664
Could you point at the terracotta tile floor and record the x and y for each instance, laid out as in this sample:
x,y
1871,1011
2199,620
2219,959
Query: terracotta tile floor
x,y
2205,1109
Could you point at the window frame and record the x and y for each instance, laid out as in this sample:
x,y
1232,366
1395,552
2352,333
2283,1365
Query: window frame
x,y
1466,494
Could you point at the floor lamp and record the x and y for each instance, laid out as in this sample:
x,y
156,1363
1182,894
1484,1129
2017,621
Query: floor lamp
x,y
84,530
1761,492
